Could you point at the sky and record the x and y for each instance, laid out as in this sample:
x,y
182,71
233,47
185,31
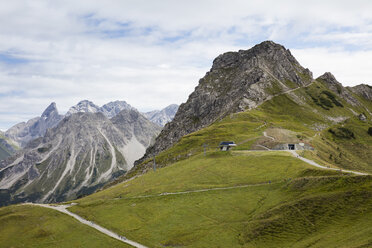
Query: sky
x,y
153,53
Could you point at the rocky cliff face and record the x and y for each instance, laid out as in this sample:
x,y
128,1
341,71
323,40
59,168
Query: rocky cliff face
x,y
237,81
162,117
85,151
23,132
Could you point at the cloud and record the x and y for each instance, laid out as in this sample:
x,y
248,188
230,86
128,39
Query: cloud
x,y
152,53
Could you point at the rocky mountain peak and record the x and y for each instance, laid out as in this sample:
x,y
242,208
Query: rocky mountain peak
x,y
267,56
236,82
329,78
113,108
50,110
84,106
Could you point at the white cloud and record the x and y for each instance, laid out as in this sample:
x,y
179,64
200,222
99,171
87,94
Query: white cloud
x,y
152,53
349,67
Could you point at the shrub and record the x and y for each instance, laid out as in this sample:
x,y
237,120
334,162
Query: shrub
x,y
370,131
342,133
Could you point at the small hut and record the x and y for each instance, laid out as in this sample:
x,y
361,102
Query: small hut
x,y
226,145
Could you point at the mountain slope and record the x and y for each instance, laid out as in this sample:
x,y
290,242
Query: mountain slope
x,y
24,132
162,117
237,81
6,149
81,154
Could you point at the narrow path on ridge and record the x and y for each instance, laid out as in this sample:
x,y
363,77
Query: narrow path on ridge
x,y
63,209
197,190
311,162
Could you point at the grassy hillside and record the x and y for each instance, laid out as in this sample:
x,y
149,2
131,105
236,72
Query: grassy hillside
x,y
32,226
233,217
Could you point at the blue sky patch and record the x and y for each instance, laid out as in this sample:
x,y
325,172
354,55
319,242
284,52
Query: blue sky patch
x,y
11,59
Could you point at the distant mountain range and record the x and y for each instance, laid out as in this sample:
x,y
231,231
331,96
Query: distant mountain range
x,y
67,156
24,132
82,153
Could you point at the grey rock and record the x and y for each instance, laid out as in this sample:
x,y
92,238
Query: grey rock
x,y
111,109
24,132
84,106
363,90
162,117
362,117
132,123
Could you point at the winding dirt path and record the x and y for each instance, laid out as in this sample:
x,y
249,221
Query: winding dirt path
x,y
63,209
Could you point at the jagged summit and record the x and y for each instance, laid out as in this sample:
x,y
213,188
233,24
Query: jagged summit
x,y
50,110
24,132
268,56
236,82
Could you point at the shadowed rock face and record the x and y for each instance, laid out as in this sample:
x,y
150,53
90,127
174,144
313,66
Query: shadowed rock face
x,y
82,153
237,81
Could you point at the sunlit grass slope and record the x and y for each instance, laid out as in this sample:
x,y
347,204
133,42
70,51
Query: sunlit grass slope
x,y
229,217
33,226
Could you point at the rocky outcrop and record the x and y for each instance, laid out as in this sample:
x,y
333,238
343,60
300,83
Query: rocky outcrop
x,y
24,132
82,153
363,90
162,117
237,81
337,88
